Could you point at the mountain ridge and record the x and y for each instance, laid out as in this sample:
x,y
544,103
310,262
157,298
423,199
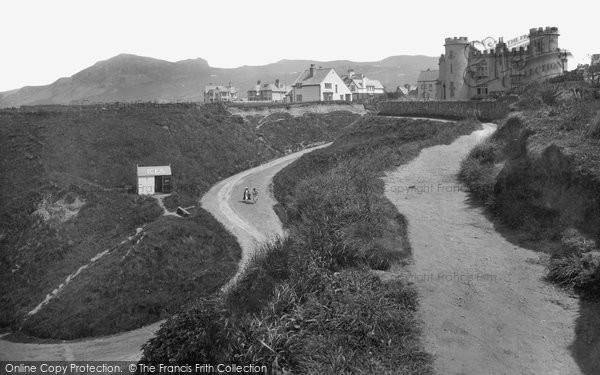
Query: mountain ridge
x,y
129,77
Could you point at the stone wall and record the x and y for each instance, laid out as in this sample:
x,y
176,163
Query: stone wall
x,y
455,110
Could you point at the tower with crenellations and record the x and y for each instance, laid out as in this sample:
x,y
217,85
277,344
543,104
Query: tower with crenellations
x,y
467,72
452,65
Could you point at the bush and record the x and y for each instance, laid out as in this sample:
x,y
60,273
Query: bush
x,y
579,271
594,129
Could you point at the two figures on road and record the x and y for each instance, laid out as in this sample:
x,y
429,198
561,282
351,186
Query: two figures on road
x,y
250,196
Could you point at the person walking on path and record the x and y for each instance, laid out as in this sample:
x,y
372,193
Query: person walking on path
x,y
254,195
246,194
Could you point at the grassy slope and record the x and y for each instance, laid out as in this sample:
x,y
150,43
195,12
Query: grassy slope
x,y
309,303
62,152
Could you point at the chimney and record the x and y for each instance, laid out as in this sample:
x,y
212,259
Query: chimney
x,y
350,73
277,83
311,72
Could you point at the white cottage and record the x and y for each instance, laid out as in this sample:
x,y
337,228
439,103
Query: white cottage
x,y
319,84
154,179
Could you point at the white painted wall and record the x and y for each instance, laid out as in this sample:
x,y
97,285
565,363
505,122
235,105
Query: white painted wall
x,y
309,93
146,185
333,78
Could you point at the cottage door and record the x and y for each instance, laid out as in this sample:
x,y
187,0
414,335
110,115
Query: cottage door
x,y
158,184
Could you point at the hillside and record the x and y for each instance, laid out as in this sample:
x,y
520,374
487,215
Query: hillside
x,y
66,201
134,78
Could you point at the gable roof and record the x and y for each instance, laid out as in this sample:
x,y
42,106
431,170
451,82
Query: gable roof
x,y
149,171
428,75
361,81
219,88
317,78
272,87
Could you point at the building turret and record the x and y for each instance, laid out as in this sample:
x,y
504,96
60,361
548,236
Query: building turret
x,y
452,69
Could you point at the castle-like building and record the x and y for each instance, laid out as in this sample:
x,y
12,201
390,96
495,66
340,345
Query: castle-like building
x,y
466,72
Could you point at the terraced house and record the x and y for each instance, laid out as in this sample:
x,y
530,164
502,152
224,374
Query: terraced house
x,y
319,85
269,92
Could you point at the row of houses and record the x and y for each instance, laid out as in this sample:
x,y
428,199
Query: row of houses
x,y
314,84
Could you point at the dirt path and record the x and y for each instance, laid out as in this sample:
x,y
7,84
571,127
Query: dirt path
x,y
484,305
249,223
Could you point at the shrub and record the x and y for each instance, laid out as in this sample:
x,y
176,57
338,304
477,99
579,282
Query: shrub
x,y
484,152
579,271
594,129
549,95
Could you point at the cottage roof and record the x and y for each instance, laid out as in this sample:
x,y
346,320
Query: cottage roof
x,y
272,87
316,79
361,81
428,75
147,171
219,88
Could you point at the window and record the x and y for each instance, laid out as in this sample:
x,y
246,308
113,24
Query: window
x,y
341,97
352,88
482,90
328,85
336,89
371,88
452,89
451,55
298,98
299,85
481,70
450,68
430,86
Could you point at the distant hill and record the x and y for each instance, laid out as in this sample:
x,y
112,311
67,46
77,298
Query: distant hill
x,y
130,78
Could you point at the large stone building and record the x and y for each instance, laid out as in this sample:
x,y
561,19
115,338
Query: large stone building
x,y
466,72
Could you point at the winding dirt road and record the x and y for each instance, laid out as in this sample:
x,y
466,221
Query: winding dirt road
x,y
484,306
250,223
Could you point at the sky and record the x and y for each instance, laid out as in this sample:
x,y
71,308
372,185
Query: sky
x,y
44,40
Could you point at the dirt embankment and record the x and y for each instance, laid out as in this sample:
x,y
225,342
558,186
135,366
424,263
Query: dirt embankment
x,y
295,110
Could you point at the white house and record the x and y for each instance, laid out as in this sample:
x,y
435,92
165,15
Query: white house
x,y
363,88
154,179
319,84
